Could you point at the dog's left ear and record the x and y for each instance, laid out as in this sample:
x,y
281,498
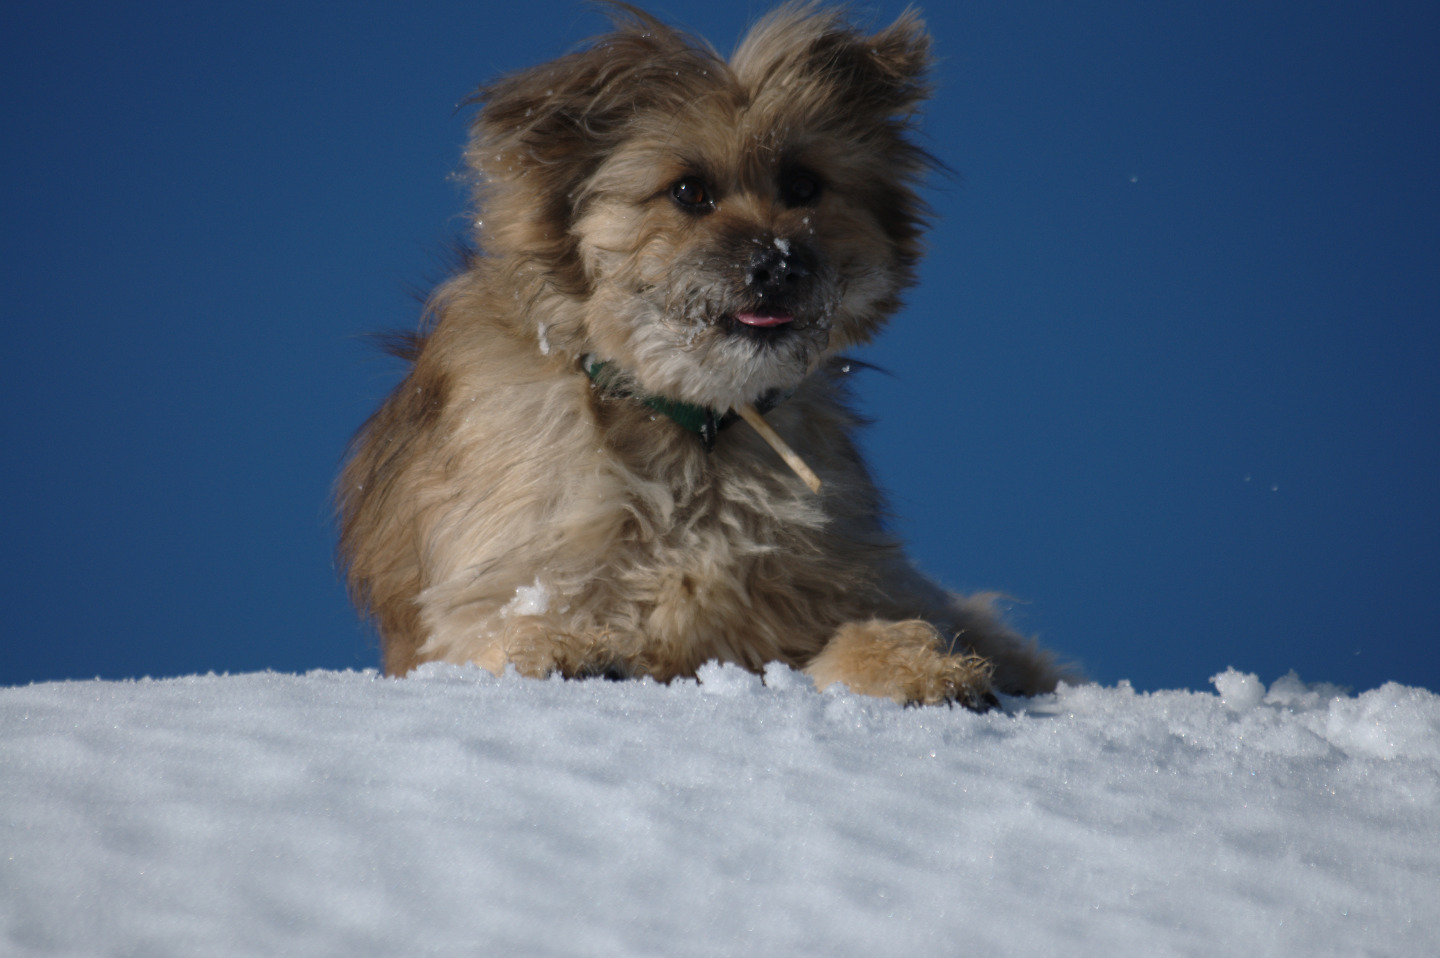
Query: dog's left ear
x,y
802,47
887,71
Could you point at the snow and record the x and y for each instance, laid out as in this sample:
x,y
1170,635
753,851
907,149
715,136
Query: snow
x,y
529,600
459,813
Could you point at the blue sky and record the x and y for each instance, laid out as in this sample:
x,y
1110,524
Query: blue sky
x,y
1171,379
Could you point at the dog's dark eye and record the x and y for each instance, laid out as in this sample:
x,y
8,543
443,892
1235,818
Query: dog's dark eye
x,y
692,194
799,189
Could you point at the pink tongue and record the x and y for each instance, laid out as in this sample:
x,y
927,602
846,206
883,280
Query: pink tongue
x,y
755,319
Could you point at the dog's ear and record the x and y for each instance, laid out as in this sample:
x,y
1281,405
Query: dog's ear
x,y
541,133
886,72
819,51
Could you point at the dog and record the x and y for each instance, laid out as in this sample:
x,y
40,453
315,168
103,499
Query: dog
x,y
663,239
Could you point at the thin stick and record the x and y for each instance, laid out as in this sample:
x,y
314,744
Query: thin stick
x,y
752,415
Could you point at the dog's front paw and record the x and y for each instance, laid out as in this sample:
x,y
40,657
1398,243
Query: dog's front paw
x,y
902,661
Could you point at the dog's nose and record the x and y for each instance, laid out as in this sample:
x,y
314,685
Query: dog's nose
x,y
776,271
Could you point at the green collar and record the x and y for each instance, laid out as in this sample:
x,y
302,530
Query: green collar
x,y
697,419
705,423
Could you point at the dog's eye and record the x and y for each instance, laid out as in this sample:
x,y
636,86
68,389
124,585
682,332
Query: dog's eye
x,y
692,194
799,189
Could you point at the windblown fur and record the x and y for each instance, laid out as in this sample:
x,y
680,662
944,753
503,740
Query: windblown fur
x,y
715,234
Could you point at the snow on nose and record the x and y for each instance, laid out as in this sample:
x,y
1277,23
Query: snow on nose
x,y
775,271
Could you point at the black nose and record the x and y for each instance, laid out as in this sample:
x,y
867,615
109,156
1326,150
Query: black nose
x,y
776,272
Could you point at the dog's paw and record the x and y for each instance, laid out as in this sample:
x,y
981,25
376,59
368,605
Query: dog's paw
x,y
902,661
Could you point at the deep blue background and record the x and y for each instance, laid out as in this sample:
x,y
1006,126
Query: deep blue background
x,y
1172,377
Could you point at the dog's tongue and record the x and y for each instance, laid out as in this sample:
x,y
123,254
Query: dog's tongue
x,y
756,319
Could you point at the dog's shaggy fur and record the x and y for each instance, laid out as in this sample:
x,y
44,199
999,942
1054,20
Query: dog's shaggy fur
x,y
658,227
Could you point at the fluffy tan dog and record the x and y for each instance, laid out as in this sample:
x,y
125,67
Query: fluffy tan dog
x,y
560,484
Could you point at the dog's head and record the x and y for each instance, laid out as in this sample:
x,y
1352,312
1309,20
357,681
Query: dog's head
x,y
715,229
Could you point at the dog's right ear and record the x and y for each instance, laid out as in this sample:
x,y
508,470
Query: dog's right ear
x,y
541,133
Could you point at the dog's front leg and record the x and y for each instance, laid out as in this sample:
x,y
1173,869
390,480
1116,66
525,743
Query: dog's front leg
x,y
902,661
538,648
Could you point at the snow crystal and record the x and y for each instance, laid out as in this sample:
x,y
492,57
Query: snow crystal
x,y
727,679
1239,692
529,600
781,678
457,812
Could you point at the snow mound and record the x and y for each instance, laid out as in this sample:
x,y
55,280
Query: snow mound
x,y
459,813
